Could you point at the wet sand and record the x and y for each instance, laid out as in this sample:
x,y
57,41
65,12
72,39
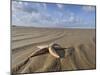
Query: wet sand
x,y
26,39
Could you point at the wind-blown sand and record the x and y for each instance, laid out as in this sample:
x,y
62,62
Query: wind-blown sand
x,y
26,39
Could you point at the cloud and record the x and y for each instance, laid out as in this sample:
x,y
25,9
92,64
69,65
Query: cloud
x,y
59,6
37,14
45,6
88,8
24,13
24,6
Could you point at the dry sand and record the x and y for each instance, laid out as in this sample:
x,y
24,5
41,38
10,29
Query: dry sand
x,y
26,39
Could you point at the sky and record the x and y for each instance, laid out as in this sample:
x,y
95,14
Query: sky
x,y
52,15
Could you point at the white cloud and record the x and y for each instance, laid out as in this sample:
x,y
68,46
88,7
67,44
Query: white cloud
x,y
59,6
20,2
88,8
42,17
71,19
45,6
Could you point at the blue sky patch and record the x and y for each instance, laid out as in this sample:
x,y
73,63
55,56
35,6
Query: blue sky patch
x,y
52,15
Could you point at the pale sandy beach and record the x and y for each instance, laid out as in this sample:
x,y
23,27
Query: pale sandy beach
x,y
24,42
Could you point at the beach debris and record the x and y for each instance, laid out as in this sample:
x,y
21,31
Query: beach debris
x,y
42,46
52,49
